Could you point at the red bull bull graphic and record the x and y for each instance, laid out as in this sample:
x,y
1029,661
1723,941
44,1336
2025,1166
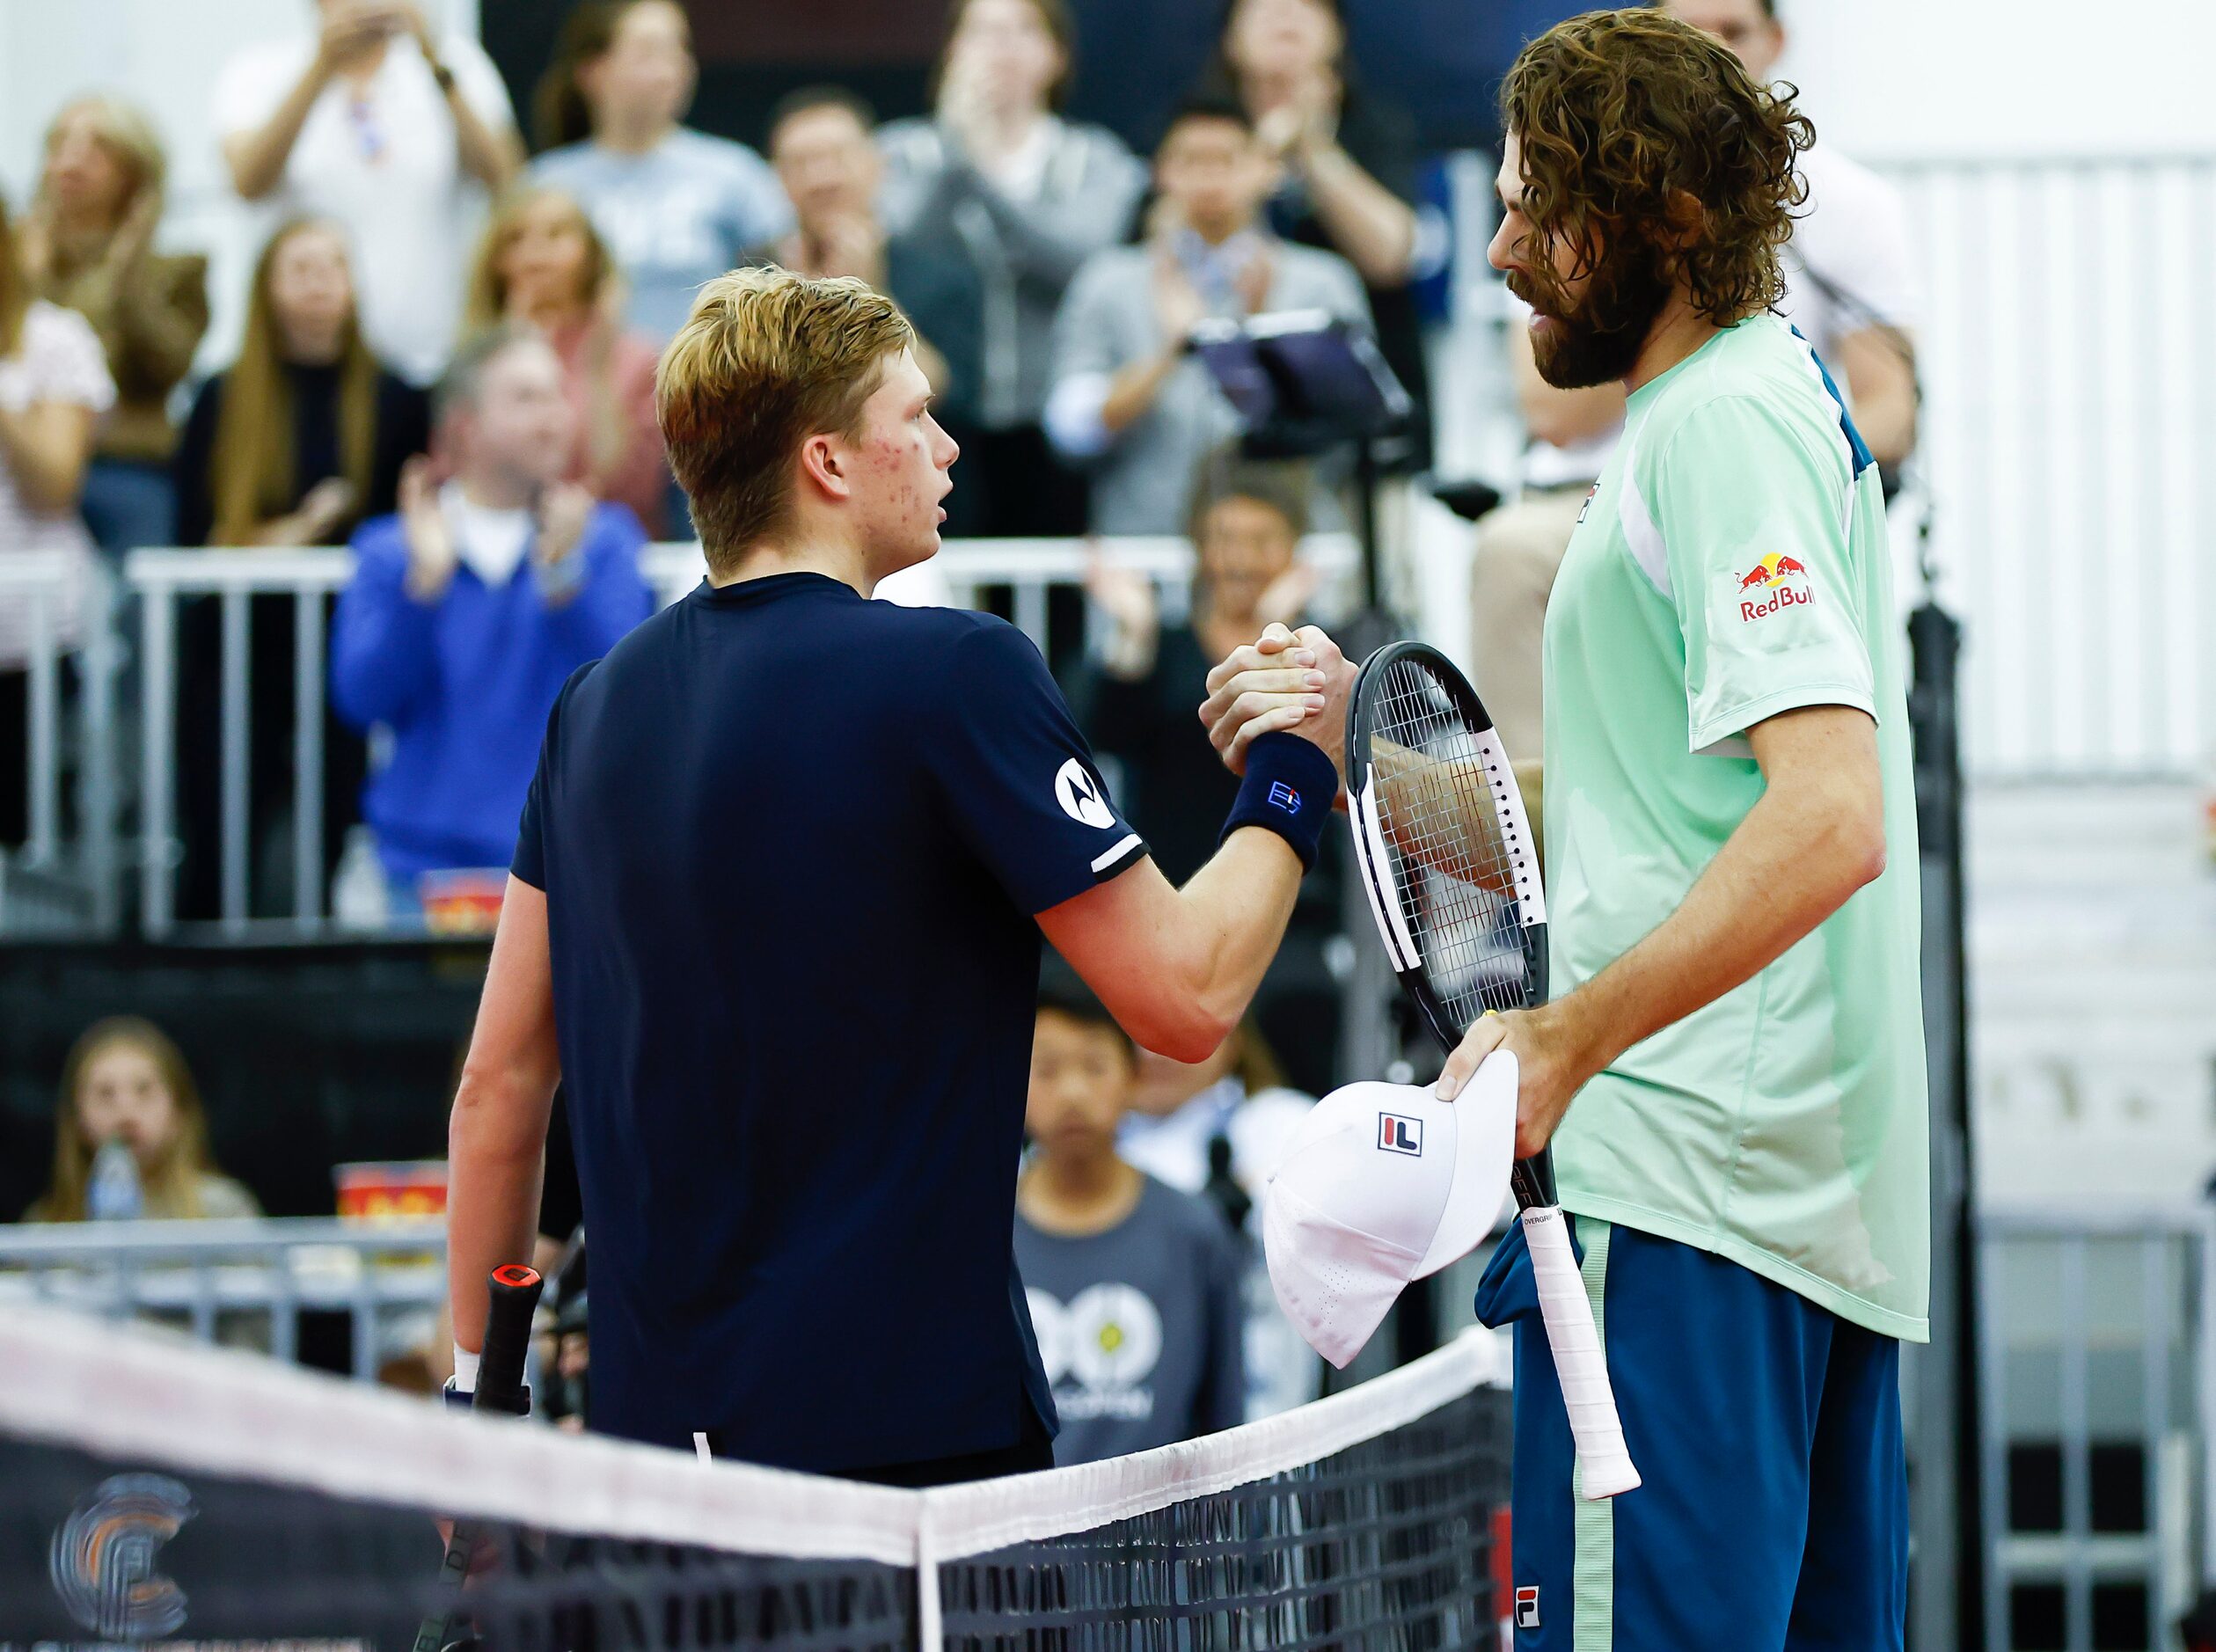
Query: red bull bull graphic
x,y
1769,579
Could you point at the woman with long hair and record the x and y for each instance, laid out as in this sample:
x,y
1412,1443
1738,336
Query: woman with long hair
x,y
54,387
126,1081
303,434
675,206
302,437
87,244
543,264
1028,197
1349,163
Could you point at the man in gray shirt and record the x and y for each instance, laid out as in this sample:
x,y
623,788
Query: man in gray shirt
x,y
1134,1288
1127,401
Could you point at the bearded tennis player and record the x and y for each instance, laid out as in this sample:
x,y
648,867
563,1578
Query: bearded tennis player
x,y
775,923
1730,1066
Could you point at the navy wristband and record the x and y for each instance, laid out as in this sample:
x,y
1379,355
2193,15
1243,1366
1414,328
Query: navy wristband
x,y
1289,786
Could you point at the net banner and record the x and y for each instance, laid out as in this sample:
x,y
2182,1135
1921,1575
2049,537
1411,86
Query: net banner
x,y
154,1493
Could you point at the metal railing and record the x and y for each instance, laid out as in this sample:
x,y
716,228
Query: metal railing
x,y
244,1280
64,872
964,573
2097,1361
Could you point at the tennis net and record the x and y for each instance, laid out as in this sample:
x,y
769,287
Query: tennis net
x,y
150,1491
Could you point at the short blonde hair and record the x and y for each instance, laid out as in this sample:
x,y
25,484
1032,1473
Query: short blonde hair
x,y
766,359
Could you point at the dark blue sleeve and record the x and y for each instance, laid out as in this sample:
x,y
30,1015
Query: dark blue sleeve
x,y
1018,777
529,864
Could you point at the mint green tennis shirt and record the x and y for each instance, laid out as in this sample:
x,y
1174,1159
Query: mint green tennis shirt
x,y
1732,564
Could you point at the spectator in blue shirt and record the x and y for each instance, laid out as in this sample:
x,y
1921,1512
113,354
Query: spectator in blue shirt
x,y
1135,1288
471,606
675,206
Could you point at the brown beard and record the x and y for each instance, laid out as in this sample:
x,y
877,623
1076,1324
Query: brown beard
x,y
1599,340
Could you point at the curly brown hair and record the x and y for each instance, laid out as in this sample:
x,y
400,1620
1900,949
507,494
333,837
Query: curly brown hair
x,y
1624,115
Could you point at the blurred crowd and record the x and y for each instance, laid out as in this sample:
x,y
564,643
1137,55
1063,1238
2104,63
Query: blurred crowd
x,y
448,361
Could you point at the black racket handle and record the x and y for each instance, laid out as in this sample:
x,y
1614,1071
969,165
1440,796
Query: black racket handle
x,y
507,1335
499,1387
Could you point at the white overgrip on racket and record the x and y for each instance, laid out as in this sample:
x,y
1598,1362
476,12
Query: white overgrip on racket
x,y
1579,1364
1521,847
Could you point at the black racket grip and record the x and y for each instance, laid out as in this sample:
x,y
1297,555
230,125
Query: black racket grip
x,y
507,1335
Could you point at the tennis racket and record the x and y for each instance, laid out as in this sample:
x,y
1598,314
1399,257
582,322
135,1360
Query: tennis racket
x,y
499,1390
1447,860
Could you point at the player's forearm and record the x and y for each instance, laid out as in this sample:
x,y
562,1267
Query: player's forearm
x,y
496,1151
1794,861
1200,952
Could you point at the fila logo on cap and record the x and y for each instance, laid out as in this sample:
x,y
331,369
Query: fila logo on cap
x,y
1079,795
1397,1133
1527,1608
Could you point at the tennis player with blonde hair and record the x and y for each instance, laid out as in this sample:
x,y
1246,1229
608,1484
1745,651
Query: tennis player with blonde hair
x,y
775,919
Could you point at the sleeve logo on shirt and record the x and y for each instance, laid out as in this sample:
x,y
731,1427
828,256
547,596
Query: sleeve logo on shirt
x,y
1079,795
1527,1607
1772,583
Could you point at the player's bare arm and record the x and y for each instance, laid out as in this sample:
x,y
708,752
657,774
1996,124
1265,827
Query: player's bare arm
x,y
497,1139
1816,836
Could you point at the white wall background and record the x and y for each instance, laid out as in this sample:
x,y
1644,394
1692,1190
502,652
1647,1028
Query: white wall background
x,y
1899,79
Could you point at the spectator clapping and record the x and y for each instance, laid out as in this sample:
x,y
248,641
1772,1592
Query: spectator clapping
x,y
1029,198
389,129
543,265
472,607
87,243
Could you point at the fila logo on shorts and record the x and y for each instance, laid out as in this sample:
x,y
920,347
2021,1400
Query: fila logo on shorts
x,y
1079,795
1400,1134
1527,1608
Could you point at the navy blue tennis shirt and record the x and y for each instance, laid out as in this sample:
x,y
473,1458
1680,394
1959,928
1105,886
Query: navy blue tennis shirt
x,y
792,841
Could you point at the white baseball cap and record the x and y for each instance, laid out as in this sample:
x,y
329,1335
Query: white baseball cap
x,y
1383,1183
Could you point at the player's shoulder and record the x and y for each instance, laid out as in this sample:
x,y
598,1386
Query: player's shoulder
x,y
1759,372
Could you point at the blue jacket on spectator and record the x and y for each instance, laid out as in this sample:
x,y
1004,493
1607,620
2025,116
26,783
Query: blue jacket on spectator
x,y
465,684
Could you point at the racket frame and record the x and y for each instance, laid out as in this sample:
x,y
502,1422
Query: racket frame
x,y
1604,1467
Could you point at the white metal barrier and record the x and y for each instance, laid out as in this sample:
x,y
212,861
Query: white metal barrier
x,y
963,574
2097,1366
64,874
2068,360
256,1277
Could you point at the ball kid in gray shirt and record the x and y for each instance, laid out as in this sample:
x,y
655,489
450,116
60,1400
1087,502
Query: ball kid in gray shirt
x,y
1134,1288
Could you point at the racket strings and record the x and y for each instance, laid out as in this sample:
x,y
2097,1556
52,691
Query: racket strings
x,y
1452,848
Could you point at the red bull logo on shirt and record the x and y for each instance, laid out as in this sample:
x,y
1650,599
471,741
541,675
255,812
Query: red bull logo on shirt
x,y
1768,578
